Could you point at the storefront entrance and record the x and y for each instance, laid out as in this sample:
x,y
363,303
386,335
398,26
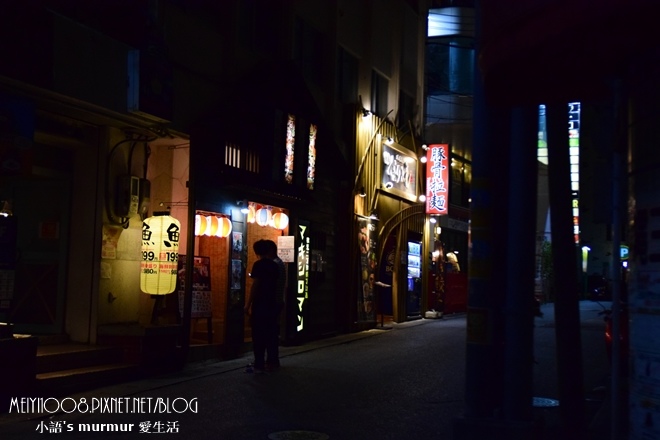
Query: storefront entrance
x,y
41,209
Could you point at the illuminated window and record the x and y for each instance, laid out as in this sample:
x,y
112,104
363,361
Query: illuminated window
x,y
241,158
311,157
290,142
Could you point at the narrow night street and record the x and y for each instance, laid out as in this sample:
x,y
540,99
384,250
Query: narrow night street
x,y
400,383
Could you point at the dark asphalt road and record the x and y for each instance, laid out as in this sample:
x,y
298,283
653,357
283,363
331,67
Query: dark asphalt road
x,y
403,383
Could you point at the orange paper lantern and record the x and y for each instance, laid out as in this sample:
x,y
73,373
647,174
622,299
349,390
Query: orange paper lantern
x,y
212,226
200,225
224,227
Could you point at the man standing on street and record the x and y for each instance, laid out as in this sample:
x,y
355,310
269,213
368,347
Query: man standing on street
x,y
273,354
262,306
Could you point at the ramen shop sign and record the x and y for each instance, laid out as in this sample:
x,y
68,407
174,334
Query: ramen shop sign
x,y
302,274
399,171
437,179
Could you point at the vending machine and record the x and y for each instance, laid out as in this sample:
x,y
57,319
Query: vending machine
x,y
414,285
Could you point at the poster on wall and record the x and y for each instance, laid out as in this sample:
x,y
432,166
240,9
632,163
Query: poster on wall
x,y
237,245
109,242
236,273
286,248
386,270
367,244
201,286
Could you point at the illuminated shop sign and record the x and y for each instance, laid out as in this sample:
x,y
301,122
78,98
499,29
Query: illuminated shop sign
x,y
160,253
574,152
437,179
399,172
302,274
290,144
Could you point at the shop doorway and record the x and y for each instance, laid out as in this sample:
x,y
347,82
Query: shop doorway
x,y
42,209
259,229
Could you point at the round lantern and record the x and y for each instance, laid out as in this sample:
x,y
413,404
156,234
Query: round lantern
x,y
211,226
252,214
200,225
280,220
263,216
224,227
160,253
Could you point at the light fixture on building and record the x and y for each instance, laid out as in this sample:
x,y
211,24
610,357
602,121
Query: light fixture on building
x,y
425,147
160,252
389,140
363,192
263,216
280,220
433,220
422,198
373,215
5,208
422,159
243,206
365,113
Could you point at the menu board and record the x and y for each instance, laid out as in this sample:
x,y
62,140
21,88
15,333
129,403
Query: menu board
x,y
201,286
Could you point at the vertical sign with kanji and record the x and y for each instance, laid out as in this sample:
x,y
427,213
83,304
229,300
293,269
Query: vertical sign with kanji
x,y
437,179
160,253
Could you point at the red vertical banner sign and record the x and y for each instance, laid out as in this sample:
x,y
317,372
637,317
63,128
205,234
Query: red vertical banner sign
x,y
437,179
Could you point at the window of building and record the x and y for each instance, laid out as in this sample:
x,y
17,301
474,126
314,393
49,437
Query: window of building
x,y
347,77
406,110
290,144
257,26
241,158
311,156
379,85
347,94
298,150
461,178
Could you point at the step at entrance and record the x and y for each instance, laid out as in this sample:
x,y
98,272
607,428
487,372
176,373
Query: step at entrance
x,y
68,368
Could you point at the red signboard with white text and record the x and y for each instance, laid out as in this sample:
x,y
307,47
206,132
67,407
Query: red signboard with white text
x,y
437,179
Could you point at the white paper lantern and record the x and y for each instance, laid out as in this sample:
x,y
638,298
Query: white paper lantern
x,y
280,220
160,254
263,216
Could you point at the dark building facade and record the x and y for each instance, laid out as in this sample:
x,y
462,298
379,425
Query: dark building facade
x,y
239,119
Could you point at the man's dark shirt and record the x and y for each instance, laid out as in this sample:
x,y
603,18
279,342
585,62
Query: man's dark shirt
x,y
265,298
